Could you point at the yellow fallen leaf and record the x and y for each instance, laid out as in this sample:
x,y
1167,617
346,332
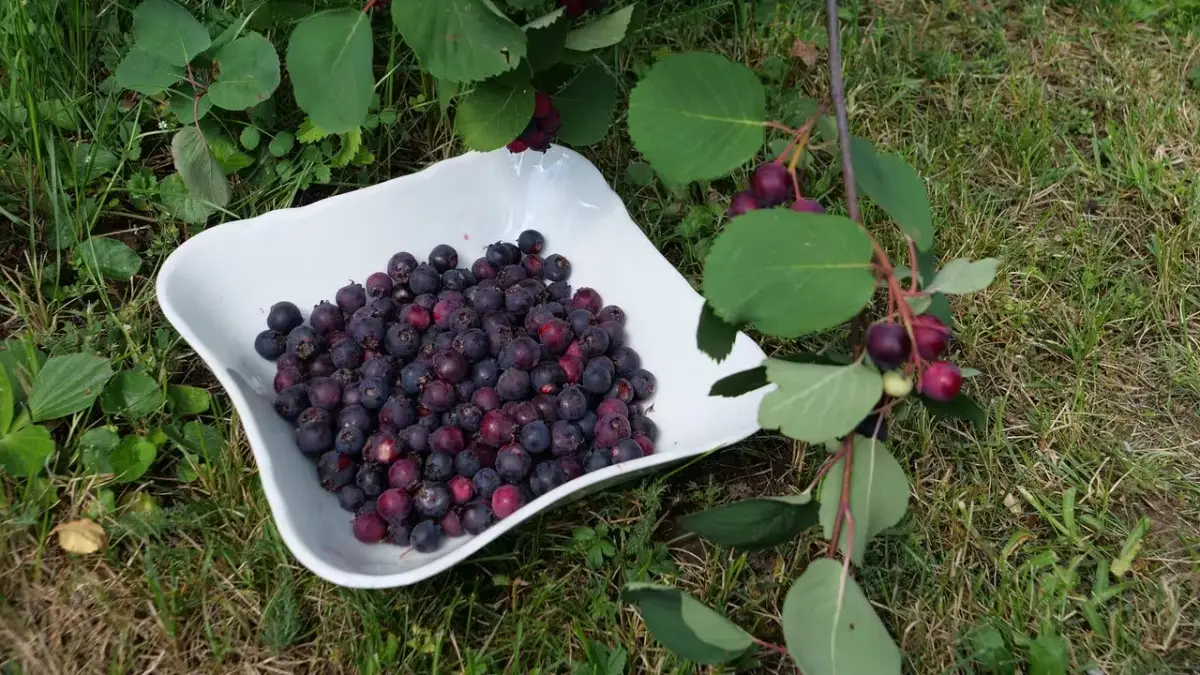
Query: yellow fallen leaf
x,y
80,536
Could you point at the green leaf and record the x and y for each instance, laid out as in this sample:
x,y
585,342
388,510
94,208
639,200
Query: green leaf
x,y
247,73
6,402
92,161
197,437
67,384
961,276
146,73
180,203
131,458
168,31
351,142
329,62
496,112
95,450
686,626
198,168
691,96
309,132
250,137
20,360
961,407
815,402
640,173
895,186
187,400
732,386
546,37
606,31
232,32
789,273
186,107
460,40
282,144
830,627
586,106
229,158
62,113
109,258
714,336
754,523
878,494
990,651
1048,655
133,395
24,452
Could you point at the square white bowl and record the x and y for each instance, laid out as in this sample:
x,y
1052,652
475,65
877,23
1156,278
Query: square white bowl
x,y
217,287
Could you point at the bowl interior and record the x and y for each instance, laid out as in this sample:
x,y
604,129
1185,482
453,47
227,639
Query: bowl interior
x,y
217,288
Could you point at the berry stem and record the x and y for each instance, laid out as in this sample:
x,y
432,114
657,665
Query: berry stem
x,y
769,645
844,497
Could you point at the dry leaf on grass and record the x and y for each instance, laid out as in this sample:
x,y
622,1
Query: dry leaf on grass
x,y
80,536
807,52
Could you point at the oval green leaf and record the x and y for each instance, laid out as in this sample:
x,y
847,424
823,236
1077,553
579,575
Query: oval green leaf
x,y
830,627
1049,655
814,402
754,523
202,439
21,360
110,258
187,400
606,31
131,458
186,107
742,382
180,203
545,37
789,273
460,40
132,394
250,137
586,106
169,31
895,186
697,115
686,626
199,169
496,112
329,62
878,494
146,73
95,450
963,276
67,384
714,336
247,73
25,451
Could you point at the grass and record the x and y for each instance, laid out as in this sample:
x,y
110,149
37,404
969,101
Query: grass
x,y
1058,136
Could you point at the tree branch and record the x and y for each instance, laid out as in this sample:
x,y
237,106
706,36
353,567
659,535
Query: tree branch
x,y
844,498
838,92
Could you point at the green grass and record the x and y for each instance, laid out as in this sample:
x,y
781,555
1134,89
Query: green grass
x,y
1058,136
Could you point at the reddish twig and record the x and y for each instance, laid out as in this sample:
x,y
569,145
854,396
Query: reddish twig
x,y
369,6
844,498
195,100
838,91
824,469
769,645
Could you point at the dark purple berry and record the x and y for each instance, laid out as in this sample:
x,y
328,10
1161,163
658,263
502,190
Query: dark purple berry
x,y
533,266
367,331
393,505
401,266
379,285
615,332
597,376
522,352
314,438
612,428
622,391
486,399
402,295
443,257
595,460
286,378
469,417
270,344
323,392
305,342
457,280
594,342
565,438
530,242
587,298
416,437
432,498
468,462
321,366
415,376
485,373
888,345
612,406
349,440
450,366
476,517
546,476
535,437
482,269
326,317
439,466
496,428
771,184
486,481
611,313
314,415
645,426
488,299
373,393
404,473
451,524
625,359
472,344
555,335
645,444
372,478
463,318
382,367
292,401
580,320
346,354
559,291
932,336
556,268
518,300
369,528
351,297
351,497
426,536
513,384
644,384
509,275
397,413
438,396
335,470
513,462
572,403
355,416
625,450
425,279
283,317
448,440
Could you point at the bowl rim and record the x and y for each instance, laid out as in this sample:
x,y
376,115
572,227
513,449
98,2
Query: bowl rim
x,y
288,528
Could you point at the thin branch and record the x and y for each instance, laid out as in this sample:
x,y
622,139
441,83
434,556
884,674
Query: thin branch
x,y
838,91
844,498
829,462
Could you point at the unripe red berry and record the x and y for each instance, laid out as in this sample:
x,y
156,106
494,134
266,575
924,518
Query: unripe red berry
x,y
941,381
771,183
931,334
743,202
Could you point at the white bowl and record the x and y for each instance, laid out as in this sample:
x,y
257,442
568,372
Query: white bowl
x,y
217,287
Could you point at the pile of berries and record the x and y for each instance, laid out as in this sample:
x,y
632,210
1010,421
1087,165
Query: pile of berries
x,y
576,8
541,129
890,348
770,185
436,400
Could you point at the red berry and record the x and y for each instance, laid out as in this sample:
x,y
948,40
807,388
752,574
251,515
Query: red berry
x,y
771,183
941,381
551,123
808,206
517,145
931,334
505,500
743,202
394,505
542,107
369,528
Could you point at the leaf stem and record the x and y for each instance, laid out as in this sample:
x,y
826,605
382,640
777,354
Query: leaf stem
x,y
824,469
769,645
844,497
195,100
369,6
